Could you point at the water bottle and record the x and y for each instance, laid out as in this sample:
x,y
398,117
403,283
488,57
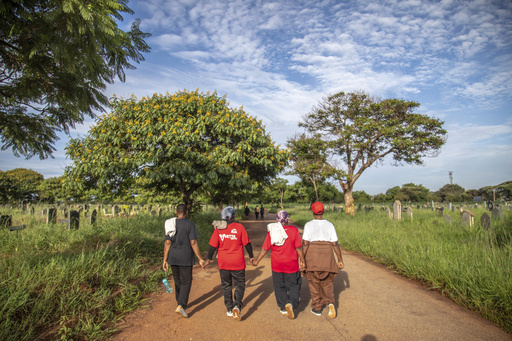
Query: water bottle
x,y
166,284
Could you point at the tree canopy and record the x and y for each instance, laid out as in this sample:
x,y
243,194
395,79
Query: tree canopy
x,y
20,184
174,144
360,130
56,57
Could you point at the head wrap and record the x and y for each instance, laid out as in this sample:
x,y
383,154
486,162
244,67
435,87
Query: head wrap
x,y
227,213
282,217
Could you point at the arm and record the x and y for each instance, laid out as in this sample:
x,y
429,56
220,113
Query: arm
x,y
263,252
167,247
337,250
195,247
302,261
211,251
248,247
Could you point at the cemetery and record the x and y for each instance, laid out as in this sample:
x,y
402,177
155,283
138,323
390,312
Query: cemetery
x,y
99,256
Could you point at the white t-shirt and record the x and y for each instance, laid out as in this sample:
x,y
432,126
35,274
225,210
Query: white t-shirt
x,y
319,230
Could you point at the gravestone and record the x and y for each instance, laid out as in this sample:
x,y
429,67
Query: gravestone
x,y
397,210
432,205
468,218
440,211
447,219
409,212
51,216
496,214
32,210
44,212
388,211
17,228
485,221
159,212
92,218
6,220
105,211
449,207
115,210
74,220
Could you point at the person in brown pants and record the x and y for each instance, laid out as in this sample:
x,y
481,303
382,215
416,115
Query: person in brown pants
x,y
323,260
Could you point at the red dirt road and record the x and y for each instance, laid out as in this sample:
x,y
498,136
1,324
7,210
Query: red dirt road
x,y
373,303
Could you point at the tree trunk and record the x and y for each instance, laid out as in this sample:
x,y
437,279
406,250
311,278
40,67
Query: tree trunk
x,y
349,200
282,195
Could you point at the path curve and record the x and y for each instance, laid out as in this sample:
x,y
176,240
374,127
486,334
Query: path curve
x,y
373,303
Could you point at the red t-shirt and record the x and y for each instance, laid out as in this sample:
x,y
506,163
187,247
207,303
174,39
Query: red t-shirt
x,y
230,243
284,258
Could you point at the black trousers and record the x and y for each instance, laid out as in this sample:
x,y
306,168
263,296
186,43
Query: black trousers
x,y
287,288
182,283
228,278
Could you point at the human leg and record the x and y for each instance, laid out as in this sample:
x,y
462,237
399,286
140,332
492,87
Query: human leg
x,y
327,289
293,282
184,276
278,279
239,283
314,290
226,283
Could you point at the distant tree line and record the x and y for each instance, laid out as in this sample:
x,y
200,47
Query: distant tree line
x,y
22,184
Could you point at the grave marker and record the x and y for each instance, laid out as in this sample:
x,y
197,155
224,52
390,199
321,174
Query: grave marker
x,y
51,216
440,211
485,221
468,218
6,220
448,219
497,213
74,220
409,212
388,211
397,210
92,218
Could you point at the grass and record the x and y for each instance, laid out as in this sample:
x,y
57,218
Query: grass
x,y
471,266
76,284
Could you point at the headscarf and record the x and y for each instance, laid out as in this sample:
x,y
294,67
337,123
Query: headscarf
x,y
227,213
282,217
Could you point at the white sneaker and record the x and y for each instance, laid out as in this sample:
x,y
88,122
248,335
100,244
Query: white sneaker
x,y
229,313
332,311
181,311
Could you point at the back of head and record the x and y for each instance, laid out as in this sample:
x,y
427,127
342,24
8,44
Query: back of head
x,y
181,209
282,217
317,208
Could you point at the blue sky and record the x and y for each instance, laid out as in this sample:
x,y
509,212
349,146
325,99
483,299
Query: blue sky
x,y
279,59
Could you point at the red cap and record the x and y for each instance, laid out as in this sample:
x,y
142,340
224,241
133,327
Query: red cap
x,y
317,208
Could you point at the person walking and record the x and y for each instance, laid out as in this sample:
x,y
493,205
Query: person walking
x,y
262,212
323,260
247,211
256,212
179,249
228,239
285,247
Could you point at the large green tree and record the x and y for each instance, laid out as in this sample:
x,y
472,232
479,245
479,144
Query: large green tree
x,y
308,156
25,183
174,143
56,57
360,131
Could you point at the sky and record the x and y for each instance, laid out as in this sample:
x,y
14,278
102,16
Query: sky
x,y
280,58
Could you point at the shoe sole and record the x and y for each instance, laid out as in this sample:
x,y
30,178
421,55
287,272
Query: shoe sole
x,y
181,312
236,314
332,312
289,311
317,314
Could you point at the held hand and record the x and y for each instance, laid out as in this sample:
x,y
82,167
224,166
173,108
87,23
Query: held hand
x,y
253,261
205,263
201,262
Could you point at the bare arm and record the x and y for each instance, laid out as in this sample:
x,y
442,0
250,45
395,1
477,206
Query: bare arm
x,y
302,261
195,247
337,250
167,246
263,252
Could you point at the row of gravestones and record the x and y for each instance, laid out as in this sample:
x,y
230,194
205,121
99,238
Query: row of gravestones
x,y
467,217
51,218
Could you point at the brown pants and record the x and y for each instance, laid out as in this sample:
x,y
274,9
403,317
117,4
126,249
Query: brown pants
x,y
321,288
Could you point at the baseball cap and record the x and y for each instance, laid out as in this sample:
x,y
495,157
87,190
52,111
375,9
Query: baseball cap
x,y
317,207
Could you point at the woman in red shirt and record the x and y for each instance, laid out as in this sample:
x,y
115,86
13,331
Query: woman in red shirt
x,y
229,241
286,249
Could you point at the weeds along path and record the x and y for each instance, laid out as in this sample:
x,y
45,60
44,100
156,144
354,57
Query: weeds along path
x,y
373,303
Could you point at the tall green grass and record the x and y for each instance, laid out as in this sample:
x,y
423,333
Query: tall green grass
x,y
76,284
471,266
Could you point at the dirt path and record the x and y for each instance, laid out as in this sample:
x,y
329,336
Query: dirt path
x,y
373,304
